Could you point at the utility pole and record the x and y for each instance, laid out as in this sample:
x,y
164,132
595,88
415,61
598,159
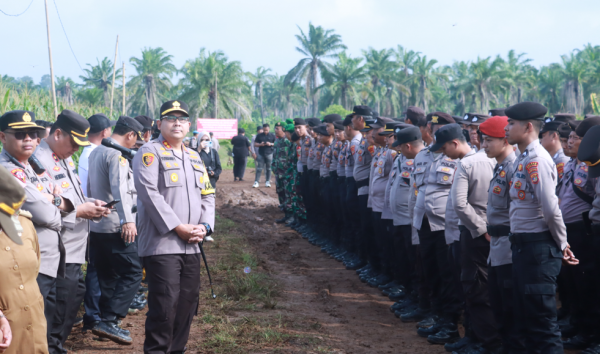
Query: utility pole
x,y
123,73
51,66
112,91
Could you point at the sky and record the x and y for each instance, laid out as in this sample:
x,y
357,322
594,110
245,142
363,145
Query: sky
x,y
262,32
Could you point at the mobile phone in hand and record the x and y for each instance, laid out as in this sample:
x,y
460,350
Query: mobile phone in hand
x,y
113,203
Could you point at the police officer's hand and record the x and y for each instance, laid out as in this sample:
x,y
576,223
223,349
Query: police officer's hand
x,y
57,190
187,232
90,210
128,232
102,203
6,334
569,257
200,233
487,237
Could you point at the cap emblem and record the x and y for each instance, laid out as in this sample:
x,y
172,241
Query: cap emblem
x,y
474,119
434,119
26,117
490,113
466,117
176,104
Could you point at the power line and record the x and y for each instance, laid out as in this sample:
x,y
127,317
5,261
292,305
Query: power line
x,y
65,32
20,13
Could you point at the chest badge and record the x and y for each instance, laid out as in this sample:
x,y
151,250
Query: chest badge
x,y
174,177
122,161
40,187
410,162
520,168
518,185
502,174
65,185
445,178
168,164
56,168
497,190
578,181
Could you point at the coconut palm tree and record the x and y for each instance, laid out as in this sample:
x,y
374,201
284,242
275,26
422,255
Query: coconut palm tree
x,y
154,72
343,79
318,45
485,78
381,70
284,99
258,79
425,77
100,76
575,73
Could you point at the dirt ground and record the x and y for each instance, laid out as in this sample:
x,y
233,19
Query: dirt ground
x,y
318,295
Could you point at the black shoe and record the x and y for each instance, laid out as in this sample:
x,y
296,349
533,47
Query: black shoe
x,y
390,285
457,346
142,290
89,326
427,321
444,336
580,341
137,305
111,331
428,331
397,296
382,279
404,311
78,322
402,305
594,349
568,331
363,269
355,266
415,316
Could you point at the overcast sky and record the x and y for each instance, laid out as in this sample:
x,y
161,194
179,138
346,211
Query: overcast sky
x,y
261,32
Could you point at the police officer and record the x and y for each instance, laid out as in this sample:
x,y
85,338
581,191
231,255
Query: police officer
x,y
174,216
305,143
417,117
550,140
470,199
323,194
113,239
68,135
315,212
472,123
148,124
538,233
339,160
497,147
19,136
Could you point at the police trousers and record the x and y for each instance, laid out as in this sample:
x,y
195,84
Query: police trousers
x,y
366,228
352,215
536,264
173,294
47,285
405,271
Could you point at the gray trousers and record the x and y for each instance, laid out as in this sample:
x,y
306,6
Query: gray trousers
x,y
263,162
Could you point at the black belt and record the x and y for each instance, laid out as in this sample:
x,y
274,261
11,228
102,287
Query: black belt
x,y
596,229
324,179
498,230
333,174
531,237
350,179
304,168
362,183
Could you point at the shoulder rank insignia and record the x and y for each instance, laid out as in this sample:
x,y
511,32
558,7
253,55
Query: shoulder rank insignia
x,y
55,157
166,144
148,159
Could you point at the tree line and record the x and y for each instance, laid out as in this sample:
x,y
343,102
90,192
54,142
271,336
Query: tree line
x,y
389,80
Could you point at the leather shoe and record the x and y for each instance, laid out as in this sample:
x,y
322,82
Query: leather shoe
x,y
427,322
111,331
580,341
399,295
415,316
390,285
89,326
594,349
444,336
428,331
354,266
457,346
382,279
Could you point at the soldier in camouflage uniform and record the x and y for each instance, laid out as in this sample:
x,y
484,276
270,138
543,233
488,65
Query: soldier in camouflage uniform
x,y
279,166
292,179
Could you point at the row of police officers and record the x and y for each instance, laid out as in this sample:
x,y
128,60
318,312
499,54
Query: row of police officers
x,y
148,205
479,219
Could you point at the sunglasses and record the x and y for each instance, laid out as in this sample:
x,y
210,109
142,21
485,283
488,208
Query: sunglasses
x,y
21,135
172,119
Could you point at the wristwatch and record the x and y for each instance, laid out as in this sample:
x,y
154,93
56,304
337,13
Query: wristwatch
x,y
57,201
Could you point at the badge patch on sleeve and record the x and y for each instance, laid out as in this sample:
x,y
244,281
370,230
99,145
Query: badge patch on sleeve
x,y
530,166
521,195
497,190
534,178
148,159
20,175
122,161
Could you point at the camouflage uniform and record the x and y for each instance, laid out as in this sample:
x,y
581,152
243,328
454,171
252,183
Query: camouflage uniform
x,y
292,184
279,167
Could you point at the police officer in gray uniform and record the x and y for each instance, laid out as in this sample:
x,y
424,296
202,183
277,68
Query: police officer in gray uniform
x,y
113,240
550,140
174,216
538,233
19,138
67,135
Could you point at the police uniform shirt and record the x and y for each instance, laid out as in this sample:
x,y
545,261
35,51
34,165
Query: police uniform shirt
x,y
399,189
469,191
341,159
110,181
362,162
310,160
418,182
571,205
75,230
375,152
325,161
498,210
169,185
46,217
560,159
351,151
335,152
534,205
381,174
305,145
318,157
451,232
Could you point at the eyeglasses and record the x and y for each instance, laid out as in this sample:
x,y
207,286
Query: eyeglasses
x,y
172,119
21,135
205,140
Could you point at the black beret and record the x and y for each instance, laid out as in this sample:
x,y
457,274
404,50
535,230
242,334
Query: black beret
x,y
299,121
313,122
526,111
19,120
564,117
585,117
415,114
585,126
551,127
407,135
440,118
477,118
375,114
368,123
338,126
174,106
364,111
347,121
496,112
589,151
321,129
146,121
564,130
295,137
445,134
380,122
74,124
574,124
99,122
330,118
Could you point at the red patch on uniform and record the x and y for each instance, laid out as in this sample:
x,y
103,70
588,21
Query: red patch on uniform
x,y
534,178
502,174
359,158
584,168
521,195
55,157
560,168
371,149
531,165
405,174
353,149
518,185
56,168
166,144
497,190
410,162
19,174
578,181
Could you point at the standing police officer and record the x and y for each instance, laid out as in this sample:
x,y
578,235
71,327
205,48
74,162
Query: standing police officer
x,y
174,216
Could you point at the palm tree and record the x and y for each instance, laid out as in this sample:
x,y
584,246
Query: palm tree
x,y
484,78
154,72
64,89
343,79
516,70
100,76
405,61
425,77
575,74
258,79
319,44
381,71
284,98
212,84
550,82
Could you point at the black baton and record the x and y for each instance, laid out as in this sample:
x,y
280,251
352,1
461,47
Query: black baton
x,y
207,270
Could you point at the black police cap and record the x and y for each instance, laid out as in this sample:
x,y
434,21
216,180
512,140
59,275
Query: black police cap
x,y
99,122
440,118
380,122
43,123
564,117
348,120
368,123
174,106
589,151
321,129
146,121
445,134
338,126
590,116
313,122
299,121
132,124
496,112
526,111
407,135
586,125
330,118
19,120
74,124
364,111
553,126
564,130
390,127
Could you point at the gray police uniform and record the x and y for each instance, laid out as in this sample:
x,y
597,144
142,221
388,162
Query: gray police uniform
x,y
118,265
351,199
362,172
538,236
561,160
382,217
169,186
